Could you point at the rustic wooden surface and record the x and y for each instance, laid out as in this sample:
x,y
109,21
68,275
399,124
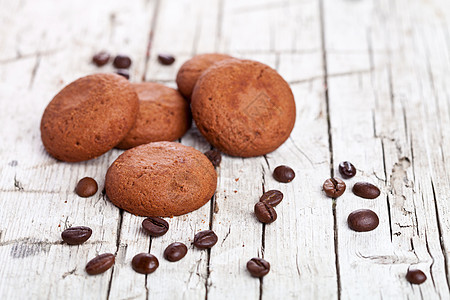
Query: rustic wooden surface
x,y
370,80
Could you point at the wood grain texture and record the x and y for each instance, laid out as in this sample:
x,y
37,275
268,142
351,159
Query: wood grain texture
x,y
370,81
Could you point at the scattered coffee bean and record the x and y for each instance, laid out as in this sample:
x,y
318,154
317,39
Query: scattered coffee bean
x,y
334,187
205,239
100,264
155,226
122,62
175,251
272,197
145,263
265,212
416,276
363,220
366,190
214,156
258,267
283,174
166,59
347,169
76,235
101,58
123,72
86,187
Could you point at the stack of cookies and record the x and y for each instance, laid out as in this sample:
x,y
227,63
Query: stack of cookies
x,y
243,108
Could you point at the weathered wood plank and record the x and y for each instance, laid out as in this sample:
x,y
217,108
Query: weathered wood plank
x,y
373,127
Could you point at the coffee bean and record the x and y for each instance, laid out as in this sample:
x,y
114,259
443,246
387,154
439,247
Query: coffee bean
x,y
155,226
86,187
347,169
363,220
258,267
416,276
265,212
101,58
283,174
366,190
334,187
214,156
272,197
122,62
205,239
76,235
100,264
145,263
175,251
123,72
166,59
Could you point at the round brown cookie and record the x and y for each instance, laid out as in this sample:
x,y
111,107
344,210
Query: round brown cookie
x,y
164,115
161,179
244,108
191,70
89,117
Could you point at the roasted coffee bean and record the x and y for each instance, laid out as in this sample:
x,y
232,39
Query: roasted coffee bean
x,y
101,58
366,190
100,264
205,239
123,72
283,174
265,212
272,197
155,226
347,169
258,267
76,235
145,263
214,156
166,59
416,276
86,187
334,187
122,62
175,251
363,220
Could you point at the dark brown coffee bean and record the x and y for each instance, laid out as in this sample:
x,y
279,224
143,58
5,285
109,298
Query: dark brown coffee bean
x,y
76,235
283,174
145,263
122,62
258,267
265,212
100,264
175,251
214,156
347,169
166,59
366,190
273,197
101,58
86,187
416,276
123,72
363,220
205,239
155,226
334,187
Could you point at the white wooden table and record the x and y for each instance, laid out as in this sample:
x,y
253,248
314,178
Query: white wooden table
x,y
371,81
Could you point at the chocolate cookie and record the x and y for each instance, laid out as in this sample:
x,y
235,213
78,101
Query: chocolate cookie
x,y
243,108
161,179
164,115
191,70
89,117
